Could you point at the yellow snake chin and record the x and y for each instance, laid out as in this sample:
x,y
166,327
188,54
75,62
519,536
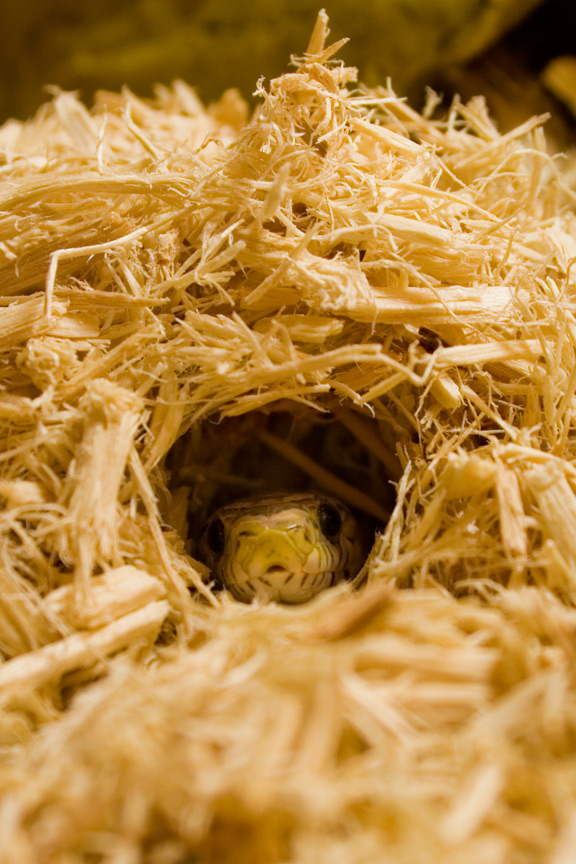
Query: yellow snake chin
x,y
275,549
283,587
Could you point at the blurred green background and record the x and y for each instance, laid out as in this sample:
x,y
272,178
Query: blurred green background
x,y
215,44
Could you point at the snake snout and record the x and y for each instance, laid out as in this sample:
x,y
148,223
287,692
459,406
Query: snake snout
x,y
271,553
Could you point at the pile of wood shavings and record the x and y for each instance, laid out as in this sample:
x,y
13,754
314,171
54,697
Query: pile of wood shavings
x,y
163,266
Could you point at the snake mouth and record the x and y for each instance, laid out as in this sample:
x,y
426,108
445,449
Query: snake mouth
x,y
289,588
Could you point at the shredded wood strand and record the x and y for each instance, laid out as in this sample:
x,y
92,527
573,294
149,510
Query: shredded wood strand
x,y
174,281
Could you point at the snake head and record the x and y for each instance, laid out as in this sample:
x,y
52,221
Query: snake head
x,y
284,547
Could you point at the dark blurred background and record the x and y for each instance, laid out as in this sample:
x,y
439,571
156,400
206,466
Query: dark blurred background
x,y
498,46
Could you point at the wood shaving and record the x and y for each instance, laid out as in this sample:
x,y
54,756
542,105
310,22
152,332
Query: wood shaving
x,y
166,273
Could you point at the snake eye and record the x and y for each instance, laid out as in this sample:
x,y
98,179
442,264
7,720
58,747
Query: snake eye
x,y
216,537
330,520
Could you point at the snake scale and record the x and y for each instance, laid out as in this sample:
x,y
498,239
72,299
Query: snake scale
x,y
285,548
